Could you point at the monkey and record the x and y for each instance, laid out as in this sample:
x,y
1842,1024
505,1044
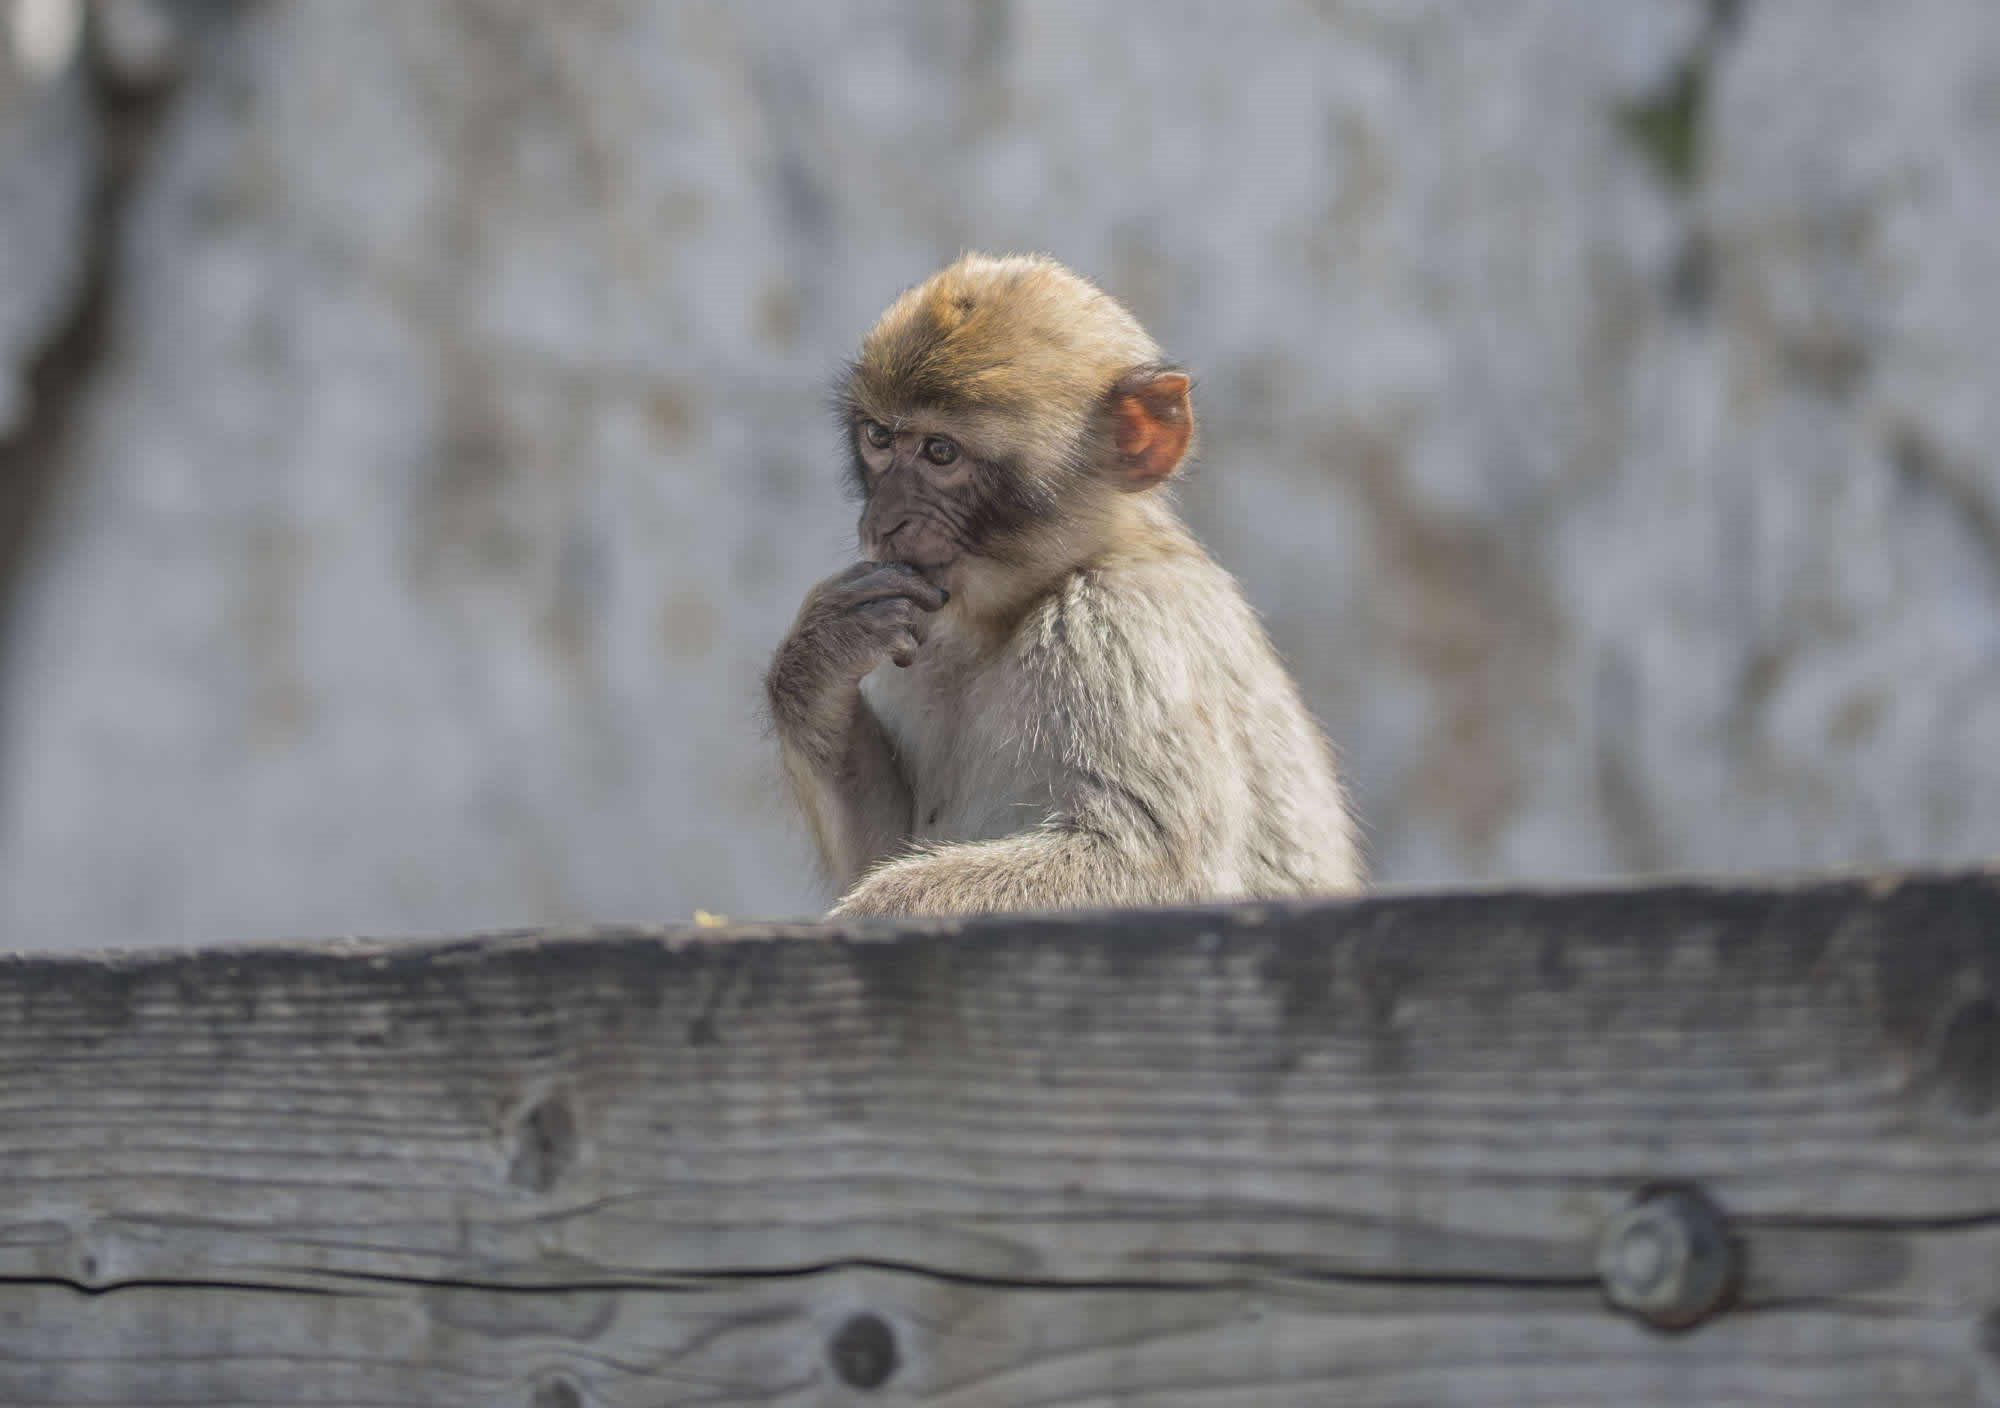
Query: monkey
x,y
1080,708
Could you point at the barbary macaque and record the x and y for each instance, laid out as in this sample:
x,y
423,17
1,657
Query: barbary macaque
x,y
1037,691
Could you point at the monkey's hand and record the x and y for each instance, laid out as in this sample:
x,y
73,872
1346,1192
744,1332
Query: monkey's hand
x,y
849,624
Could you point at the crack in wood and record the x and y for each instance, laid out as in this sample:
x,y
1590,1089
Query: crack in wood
x,y
168,1283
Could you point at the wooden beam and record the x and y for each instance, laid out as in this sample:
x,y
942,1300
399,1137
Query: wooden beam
x,y
1359,1152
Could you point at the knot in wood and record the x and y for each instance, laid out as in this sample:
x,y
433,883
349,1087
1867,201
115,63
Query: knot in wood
x,y
545,1144
1968,1060
1668,1258
863,1351
557,1393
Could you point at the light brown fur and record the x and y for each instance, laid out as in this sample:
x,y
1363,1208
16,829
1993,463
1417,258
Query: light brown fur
x,y
1094,717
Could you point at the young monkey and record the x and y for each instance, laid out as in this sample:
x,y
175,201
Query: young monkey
x,y
1084,710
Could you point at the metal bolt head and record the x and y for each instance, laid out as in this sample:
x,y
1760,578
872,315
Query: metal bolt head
x,y
1668,1259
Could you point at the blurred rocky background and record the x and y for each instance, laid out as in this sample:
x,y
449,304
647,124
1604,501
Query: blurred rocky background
x,y
412,435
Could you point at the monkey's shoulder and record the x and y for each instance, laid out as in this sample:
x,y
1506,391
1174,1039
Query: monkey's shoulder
x,y
1183,607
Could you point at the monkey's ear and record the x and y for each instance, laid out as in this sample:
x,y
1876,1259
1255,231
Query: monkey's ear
x,y
1151,425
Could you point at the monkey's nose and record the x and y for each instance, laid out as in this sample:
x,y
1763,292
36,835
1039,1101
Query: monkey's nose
x,y
890,536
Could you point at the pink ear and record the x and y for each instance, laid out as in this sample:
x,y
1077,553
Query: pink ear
x,y
1151,424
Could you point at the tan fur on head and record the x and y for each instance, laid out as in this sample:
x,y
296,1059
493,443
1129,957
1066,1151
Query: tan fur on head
x,y
1017,348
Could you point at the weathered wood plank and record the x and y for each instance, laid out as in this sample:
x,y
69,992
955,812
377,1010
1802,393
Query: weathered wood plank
x,y
1260,1155
762,1343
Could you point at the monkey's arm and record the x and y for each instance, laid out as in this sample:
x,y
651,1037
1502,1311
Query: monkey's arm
x,y
855,798
839,760
1051,867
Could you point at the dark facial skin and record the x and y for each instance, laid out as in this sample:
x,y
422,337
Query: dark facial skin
x,y
921,496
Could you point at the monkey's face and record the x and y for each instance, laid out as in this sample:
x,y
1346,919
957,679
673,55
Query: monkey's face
x,y
996,409
922,491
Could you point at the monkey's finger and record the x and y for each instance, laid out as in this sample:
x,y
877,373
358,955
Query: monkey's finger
x,y
924,593
904,651
890,622
895,580
862,570
855,571
859,580
891,612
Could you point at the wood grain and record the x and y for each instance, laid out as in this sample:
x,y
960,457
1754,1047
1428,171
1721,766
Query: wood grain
x,y
1355,1153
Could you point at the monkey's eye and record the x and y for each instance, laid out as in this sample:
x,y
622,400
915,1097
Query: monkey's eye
x,y
876,433
939,450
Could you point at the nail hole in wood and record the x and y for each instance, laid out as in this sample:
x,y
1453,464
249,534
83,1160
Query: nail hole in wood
x,y
863,1351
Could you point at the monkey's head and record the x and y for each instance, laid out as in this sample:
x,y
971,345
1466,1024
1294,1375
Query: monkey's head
x,y
999,410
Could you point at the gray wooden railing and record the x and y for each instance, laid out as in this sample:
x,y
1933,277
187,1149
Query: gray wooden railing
x,y
1678,1145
